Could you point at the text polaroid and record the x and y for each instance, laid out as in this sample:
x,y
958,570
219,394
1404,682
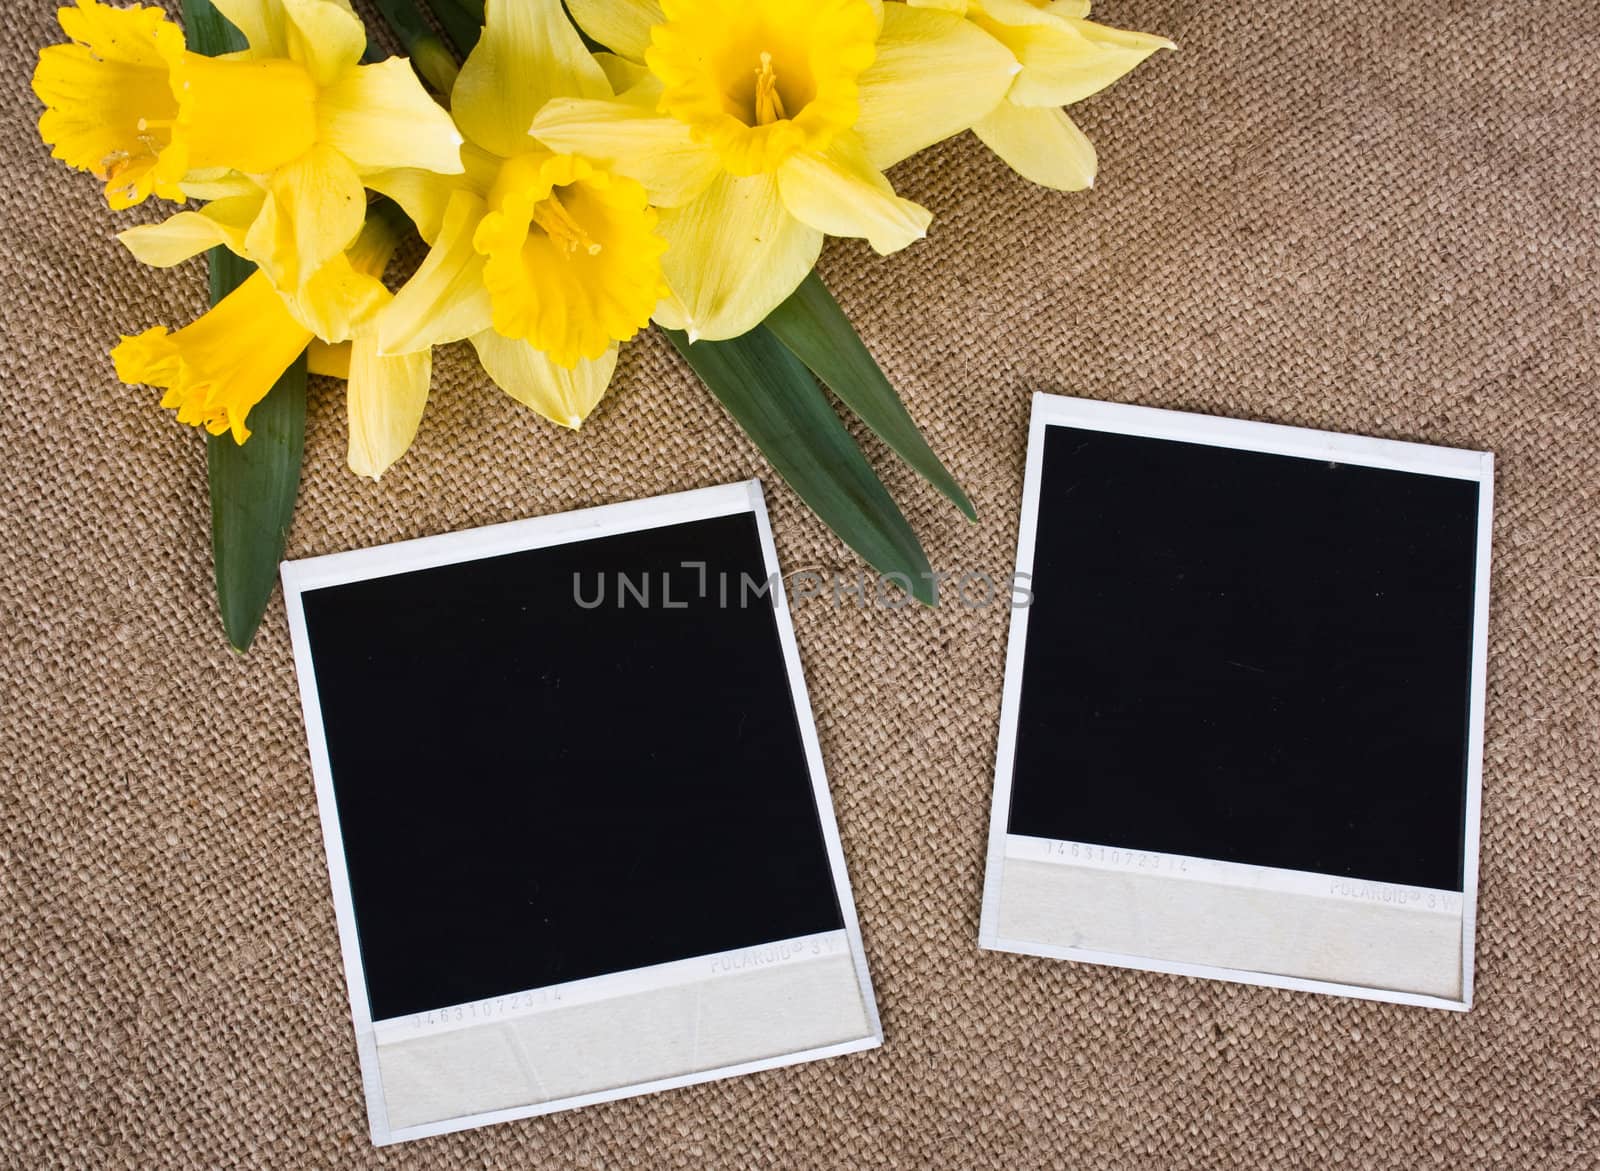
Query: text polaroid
x,y
579,835
1242,726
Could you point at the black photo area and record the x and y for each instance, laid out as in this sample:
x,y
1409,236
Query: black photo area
x,y
532,791
1248,657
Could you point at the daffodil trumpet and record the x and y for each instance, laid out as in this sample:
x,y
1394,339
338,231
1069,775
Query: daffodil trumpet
x,y
109,108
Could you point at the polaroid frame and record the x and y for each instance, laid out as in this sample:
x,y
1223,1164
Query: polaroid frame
x,y
840,950
1188,882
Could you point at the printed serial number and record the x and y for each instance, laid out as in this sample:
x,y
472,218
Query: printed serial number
x,y
1121,859
483,1010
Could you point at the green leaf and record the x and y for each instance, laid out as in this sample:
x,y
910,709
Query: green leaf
x,y
253,488
813,326
769,393
205,30
253,485
226,273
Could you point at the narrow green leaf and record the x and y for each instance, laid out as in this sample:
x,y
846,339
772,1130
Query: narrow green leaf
x,y
774,398
205,30
226,272
253,486
813,326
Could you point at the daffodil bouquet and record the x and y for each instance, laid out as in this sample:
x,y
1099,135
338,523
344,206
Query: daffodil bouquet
x,y
677,162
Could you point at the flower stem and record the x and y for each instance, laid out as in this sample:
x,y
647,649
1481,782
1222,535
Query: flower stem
x,y
462,21
430,57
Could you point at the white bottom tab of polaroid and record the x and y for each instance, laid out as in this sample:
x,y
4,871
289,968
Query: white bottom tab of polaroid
x,y
579,834
1242,725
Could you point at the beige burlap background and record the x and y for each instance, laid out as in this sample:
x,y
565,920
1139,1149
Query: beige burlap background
x,y
1378,218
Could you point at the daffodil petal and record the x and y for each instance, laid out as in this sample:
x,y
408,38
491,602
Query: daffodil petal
x,y
1041,144
261,22
314,209
839,193
422,195
622,73
325,36
482,169
733,254
623,26
445,299
528,375
1014,12
935,75
330,359
1065,61
343,296
528,54
336,300
218,183
190,233
670,312
385,398
631,139
379,117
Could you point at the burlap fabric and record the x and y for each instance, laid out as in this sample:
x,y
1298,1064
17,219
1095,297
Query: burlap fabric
x,y
1371,218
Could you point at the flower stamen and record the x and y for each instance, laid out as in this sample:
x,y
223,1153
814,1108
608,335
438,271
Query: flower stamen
x,y
558,223
769,102
571,258
763,80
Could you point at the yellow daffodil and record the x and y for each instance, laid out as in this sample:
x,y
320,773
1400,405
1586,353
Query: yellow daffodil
x,y
759,126
217,368
292,126
1065,58
220,366
109,107
543,260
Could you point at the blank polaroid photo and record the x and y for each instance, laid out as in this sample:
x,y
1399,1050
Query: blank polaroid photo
x,y
578,830
1242,725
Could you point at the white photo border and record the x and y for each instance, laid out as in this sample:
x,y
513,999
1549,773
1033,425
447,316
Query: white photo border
x,y
302,576
1051,410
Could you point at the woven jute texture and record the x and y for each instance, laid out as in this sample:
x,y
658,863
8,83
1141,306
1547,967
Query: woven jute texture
x,y
1374,218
